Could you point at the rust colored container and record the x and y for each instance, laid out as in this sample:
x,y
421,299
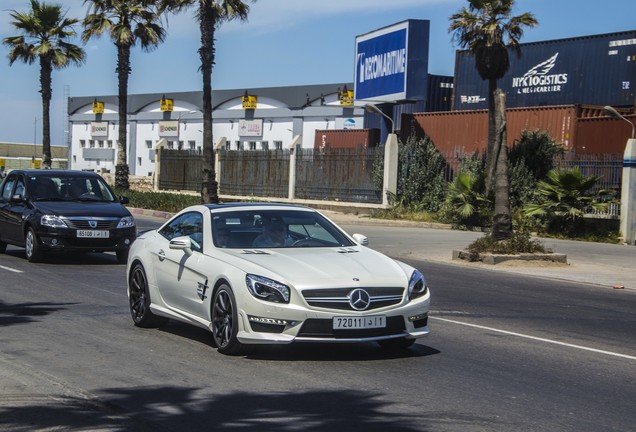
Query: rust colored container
x,y
462,132
346,138
602,135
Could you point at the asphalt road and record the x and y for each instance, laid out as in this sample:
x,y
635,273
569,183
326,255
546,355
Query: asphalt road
x,y
506,353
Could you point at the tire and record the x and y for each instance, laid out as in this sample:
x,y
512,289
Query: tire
x,y
396,344
122,256
225,322
32,247
139,300
3,247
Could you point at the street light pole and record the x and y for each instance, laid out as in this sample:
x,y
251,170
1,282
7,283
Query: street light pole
x,y
374,109
628,185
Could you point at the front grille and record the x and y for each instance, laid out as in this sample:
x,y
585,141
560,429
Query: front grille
x,y
338,298
83,223
323,328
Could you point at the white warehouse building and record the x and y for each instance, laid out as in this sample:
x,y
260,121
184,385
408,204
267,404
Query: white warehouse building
x,y
255,119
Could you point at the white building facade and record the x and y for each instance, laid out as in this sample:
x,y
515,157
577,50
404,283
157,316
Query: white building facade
x,y
257,119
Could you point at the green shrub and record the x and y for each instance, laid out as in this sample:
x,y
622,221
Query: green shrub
x,y
161,201
520,242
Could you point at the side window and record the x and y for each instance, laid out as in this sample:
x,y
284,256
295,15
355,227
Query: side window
x,y
8,188
19,187
188,224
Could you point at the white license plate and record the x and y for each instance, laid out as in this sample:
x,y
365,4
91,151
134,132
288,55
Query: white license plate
x,y
354,323
92,234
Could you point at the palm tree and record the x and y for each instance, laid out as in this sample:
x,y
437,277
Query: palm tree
x,y
127,22
210,14
482,28
45,34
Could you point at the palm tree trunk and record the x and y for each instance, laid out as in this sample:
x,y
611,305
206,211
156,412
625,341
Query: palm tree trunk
x,y
123,71
502,220
208,19
45,89
491,159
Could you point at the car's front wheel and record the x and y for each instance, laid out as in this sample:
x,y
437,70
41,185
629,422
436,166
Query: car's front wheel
x,y
225,321
122,256
139,300
31,246
3,247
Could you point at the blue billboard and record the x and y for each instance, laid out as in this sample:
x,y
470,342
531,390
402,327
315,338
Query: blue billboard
x,y
392,62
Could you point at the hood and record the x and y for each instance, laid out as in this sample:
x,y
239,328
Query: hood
x,y
82,208
323,267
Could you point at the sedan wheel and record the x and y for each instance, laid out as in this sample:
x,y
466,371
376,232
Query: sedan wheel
x,y
225,322
3,247
122,256
139,300
31,246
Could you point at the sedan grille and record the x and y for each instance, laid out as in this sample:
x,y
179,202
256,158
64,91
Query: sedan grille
x,y
338,298
84,223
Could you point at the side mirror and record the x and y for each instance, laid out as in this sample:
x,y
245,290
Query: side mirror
x,y
361,239
124,200
183,243
18,198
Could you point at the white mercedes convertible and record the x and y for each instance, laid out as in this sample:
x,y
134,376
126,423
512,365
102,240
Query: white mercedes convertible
x,y
273,274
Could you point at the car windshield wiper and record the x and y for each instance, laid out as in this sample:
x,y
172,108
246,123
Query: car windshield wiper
x,y
86,198
49,199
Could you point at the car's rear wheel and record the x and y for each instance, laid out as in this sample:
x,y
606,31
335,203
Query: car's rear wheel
x,y
32,247
225,321
396,344
122,256
139,300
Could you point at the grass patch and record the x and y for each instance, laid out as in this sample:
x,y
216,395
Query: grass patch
x,y
520,242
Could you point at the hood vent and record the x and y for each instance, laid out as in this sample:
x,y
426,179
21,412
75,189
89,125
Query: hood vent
x,y
347,250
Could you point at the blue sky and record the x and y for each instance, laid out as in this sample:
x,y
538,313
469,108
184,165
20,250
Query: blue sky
x,y
284,42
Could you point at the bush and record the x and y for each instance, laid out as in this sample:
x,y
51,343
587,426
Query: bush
x,y
520,242
161,201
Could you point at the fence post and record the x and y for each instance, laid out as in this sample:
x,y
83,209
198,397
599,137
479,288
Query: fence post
x,y
217,160
291,194
160,144
628,194
389,184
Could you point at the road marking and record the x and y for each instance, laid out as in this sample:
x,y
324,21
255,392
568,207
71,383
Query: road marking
x,y
537,338
11,269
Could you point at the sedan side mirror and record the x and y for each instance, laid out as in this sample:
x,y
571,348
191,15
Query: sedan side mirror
x,y
361,239
183,243
124,200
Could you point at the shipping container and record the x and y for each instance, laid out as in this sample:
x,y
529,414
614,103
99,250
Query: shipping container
x,y
346,138
465,132
596,70
440,93
596,135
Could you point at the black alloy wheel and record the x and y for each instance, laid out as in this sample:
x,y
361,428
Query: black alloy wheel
x,y
139,300
225,322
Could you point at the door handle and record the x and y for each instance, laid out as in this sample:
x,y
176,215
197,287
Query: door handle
x,y
162,255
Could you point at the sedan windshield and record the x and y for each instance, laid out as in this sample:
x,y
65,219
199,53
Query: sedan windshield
x,y
69,188
275,229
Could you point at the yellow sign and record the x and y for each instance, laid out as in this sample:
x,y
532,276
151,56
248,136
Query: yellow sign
x,y
167,104
249,102
36,163
346,97
3,163
98,107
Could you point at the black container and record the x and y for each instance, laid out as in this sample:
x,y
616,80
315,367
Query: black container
x,y
596,70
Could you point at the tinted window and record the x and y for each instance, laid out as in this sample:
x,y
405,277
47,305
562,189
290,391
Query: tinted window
x,y
188,224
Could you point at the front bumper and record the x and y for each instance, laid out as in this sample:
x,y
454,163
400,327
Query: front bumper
x,y
66,240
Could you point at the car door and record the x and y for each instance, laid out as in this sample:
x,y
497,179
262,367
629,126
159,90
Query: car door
x,y
12,208
181,278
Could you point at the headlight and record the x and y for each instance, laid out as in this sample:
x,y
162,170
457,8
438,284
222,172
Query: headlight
x,y
417,285
267,289
126,222
52,221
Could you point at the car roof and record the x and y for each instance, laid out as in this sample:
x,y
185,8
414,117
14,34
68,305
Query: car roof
x,y
251,205
54,172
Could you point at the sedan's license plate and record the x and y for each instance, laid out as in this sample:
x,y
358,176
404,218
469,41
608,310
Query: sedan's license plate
x,y
354,323
92,234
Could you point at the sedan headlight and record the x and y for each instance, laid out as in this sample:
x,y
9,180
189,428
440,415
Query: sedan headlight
x,y
126,222
52,221
417,285
267,289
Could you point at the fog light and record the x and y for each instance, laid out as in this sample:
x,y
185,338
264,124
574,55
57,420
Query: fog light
x,y
418,317
126,242
275,321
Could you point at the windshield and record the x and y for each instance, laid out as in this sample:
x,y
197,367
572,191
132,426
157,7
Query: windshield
x,y
52,187
250,229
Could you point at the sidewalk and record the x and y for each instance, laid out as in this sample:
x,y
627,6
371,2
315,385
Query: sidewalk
x,y
607,265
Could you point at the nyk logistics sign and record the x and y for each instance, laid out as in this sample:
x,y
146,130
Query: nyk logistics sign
x,y
539,79
392,62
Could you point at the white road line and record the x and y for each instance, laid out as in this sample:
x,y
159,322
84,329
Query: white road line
x,y
11,269
537,338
